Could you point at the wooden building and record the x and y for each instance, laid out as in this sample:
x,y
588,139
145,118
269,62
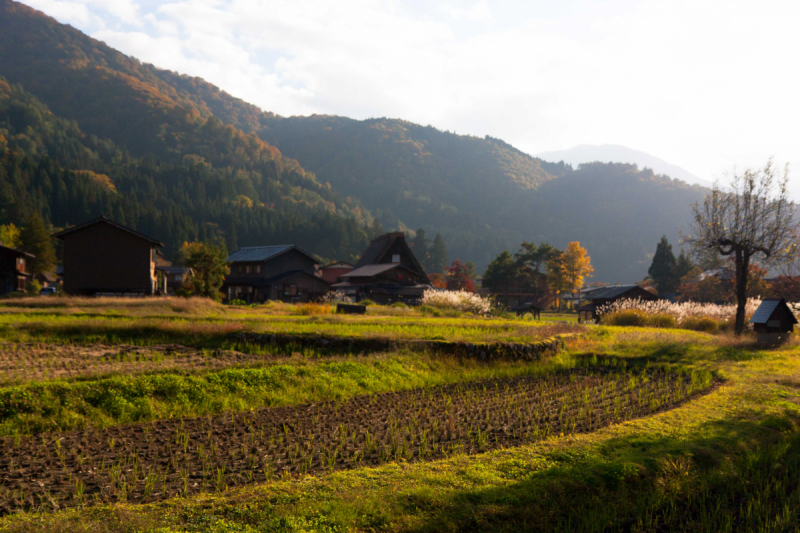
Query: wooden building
x,y
387,272
773,322
174,276
285,272
531,288
14,272
333,272
102,257
597,297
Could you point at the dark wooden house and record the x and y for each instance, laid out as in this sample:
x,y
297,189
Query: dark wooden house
x,y
597,297
104,257
285,272
14,272
387,272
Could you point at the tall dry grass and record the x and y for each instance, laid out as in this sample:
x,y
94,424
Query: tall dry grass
x,y
136,306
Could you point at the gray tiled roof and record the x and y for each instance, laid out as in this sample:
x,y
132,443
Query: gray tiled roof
x,y
258,253
370,270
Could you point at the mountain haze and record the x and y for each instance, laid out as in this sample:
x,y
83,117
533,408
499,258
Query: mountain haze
x,y
176,148
615,153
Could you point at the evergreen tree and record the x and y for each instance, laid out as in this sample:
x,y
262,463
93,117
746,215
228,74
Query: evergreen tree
x,y
437,255
500,273
420,247
470,268
663,269
683,266
35,239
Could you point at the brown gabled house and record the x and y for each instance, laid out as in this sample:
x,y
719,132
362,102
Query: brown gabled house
x,y
14,272
387,272
284,272
103,257
333,272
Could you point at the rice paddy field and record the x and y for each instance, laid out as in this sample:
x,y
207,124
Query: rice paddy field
x,y
155,415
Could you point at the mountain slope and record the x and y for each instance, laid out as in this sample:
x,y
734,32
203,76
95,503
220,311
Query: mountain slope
x,y
614,153
179,145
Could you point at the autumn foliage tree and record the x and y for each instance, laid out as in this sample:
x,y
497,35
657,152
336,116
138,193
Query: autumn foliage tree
x,y
575,266
458,277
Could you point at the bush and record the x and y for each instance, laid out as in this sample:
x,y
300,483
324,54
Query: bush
x,y
462,301
238,302
366,302
33,288
662,320
709,325
313,309
399,305
630,317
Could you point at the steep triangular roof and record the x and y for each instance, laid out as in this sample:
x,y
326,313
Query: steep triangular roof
x,y
103,219
379,246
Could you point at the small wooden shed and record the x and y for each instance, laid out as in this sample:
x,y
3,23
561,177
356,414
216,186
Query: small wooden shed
x,y
773,322
773,316
528,307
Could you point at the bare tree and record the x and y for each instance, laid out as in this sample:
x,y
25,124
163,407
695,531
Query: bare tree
x,y
752,218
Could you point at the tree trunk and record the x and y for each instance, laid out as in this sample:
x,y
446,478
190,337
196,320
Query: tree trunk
x,y
742,266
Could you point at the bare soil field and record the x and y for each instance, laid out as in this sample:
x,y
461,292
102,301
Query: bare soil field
x,y
39,361
148,462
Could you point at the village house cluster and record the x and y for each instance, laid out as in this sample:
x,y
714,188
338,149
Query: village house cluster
x,y
102,257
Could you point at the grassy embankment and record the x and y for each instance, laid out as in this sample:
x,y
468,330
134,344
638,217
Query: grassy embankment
x,y
727,461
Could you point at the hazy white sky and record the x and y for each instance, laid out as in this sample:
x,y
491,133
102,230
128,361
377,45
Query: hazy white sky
x,y
704,84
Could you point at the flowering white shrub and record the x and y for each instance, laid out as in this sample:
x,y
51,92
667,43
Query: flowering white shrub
x,y
681,311
467,302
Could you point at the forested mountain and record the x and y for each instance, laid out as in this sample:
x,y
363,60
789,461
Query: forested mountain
x,y
175,156
49,165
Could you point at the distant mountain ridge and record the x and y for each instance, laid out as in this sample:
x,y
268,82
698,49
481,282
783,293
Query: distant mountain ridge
x,y
290,176
615,153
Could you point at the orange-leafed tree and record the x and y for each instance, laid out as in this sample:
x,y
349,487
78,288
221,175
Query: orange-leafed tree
x,y
438,281
576,265
458,277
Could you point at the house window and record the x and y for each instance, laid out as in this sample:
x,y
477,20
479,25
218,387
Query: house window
x,y
258,269
292,290
178,277
21,264
395,258
241,269
21,283
249,269
249,290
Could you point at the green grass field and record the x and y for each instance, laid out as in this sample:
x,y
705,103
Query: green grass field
x,y
715,447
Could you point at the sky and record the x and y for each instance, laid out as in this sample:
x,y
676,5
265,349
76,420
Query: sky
x,y
709,85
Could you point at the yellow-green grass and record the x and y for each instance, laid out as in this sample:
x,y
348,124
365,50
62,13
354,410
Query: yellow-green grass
x,y
61,404
217,330
727,461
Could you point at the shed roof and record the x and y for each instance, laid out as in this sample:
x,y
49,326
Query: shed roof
x,y
767,308
262,253
104,220
608,292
